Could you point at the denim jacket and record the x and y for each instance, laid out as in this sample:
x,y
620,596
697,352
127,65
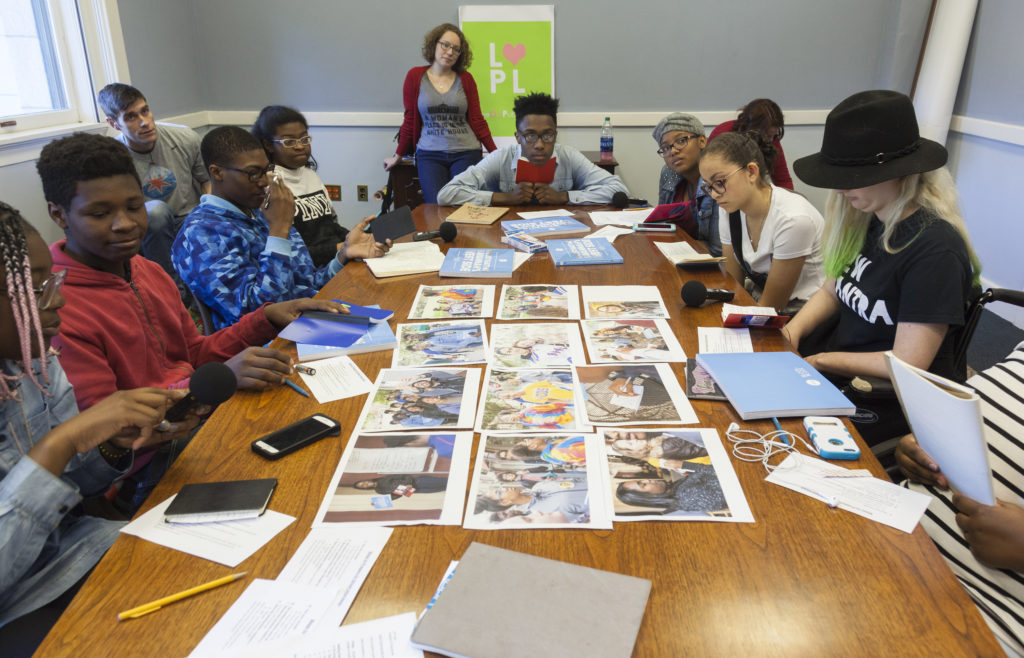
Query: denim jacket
x,y
704,208
45,546
586,183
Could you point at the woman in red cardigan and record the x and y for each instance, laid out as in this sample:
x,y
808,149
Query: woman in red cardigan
x,y
442,113
764,116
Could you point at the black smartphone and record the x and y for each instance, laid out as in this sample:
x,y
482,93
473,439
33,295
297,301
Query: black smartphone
x,y
656,226
297,435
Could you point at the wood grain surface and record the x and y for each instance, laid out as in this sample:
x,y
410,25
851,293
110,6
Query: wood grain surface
x,y
804,580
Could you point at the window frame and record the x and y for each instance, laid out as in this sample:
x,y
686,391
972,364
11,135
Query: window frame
x,y
90,48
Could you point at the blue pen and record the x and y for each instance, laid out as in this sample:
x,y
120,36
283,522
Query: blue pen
x,y
778,426
295,387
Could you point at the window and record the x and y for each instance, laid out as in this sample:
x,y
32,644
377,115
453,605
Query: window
x,y
52,52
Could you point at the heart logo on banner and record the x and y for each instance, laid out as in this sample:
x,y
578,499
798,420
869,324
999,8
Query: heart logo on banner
x,y
513,53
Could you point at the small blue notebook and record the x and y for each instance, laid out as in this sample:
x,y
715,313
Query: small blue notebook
x,y
780,384
486,263
583,251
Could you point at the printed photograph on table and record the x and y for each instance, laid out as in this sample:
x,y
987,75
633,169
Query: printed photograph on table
x,y
623,302
671,475
610,341
439,302
528,400
539,302
624,395
538,481
536,345
399,479
441,343
415,398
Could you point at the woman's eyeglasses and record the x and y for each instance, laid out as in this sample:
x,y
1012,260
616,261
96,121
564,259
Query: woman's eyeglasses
x,y
292,142
677,145
718,186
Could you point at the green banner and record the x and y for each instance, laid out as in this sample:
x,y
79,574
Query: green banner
x,y
510,58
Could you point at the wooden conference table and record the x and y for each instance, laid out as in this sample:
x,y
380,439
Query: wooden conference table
x,y
803,580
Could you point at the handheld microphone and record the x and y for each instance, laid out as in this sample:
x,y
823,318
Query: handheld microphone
x,y
446,231
211,384
695,293
622,200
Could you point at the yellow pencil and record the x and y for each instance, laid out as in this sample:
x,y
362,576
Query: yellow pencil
x,y
167,600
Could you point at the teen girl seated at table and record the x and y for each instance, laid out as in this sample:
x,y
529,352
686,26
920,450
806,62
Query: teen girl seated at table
x,y
771,237
50,455
284,134
899,263
442,120
764,116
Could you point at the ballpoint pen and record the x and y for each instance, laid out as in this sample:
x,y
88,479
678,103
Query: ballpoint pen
x,y
295,387
152,606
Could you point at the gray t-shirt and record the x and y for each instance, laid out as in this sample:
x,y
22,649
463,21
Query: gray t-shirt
x,y
173,171
444,119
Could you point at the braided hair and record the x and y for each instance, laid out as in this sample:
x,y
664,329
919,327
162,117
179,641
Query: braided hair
x,y
18,276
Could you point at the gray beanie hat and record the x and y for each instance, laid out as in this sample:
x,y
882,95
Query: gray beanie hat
x,y
678,121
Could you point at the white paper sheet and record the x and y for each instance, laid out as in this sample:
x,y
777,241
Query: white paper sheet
x,y
610,232
226,542
619,217
336,378
379,638
715,340
267,611
869,497
537,214
336,560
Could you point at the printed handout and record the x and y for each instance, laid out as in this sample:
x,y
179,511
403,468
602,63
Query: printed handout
x,y
671,475
539,302
536,345
528,400
651,341
631,394
715,340
537,481
420,398
441,343
623,302
439,302
336,378
399,479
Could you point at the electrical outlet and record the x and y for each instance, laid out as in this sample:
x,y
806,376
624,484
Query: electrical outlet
x,y
333,192
362,193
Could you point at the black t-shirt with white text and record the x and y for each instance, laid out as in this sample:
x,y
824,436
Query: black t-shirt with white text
x,y
927,280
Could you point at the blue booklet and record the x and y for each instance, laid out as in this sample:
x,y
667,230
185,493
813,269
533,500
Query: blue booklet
x,y
544,226
487,263
583,251
378,337
780,384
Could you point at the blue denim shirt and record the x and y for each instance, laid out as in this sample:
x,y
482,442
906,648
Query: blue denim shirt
x,y
705,208
44,550
586,183
232,264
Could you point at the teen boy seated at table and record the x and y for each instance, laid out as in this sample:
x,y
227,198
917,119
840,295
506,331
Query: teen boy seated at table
x,y
680,139
492,181
984,544
239,248
167,160
124,325
50,455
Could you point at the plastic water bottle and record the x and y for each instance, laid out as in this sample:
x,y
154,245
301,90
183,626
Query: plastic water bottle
x,y
607,141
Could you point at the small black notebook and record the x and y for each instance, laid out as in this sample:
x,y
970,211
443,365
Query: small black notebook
x,y
207,502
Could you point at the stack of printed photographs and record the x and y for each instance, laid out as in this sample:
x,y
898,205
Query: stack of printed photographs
x,y
563,443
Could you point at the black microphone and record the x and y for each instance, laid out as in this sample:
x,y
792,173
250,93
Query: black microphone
x,y
621,200
211,384
695,293
446,231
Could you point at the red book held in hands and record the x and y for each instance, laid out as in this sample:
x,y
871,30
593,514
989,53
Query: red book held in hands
x,y
527,172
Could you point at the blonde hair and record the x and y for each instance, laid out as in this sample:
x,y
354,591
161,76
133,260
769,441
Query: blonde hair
x,y
846,227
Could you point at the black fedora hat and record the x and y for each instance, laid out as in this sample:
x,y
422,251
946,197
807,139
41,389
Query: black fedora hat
x,y
870,137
